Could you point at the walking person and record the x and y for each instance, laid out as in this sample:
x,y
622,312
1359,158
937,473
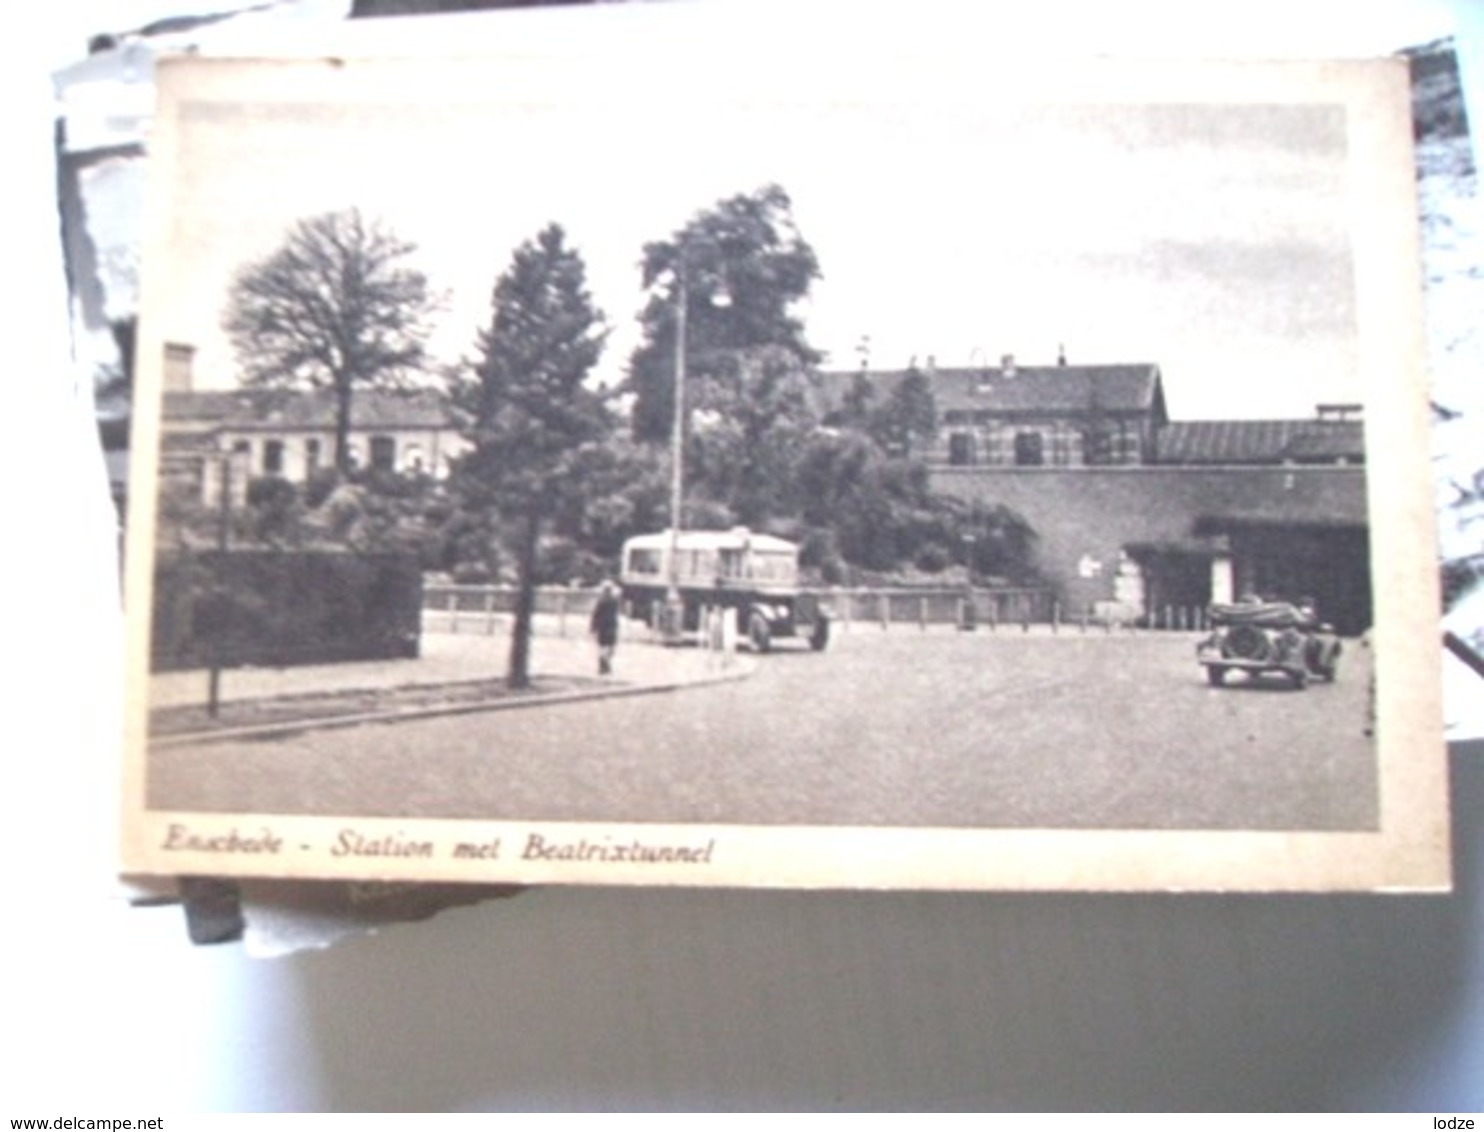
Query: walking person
x,y
604,627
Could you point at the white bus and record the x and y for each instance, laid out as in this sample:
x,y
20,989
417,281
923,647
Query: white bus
x,y
755,574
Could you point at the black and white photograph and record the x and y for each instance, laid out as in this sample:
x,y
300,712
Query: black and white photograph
x,y
903,474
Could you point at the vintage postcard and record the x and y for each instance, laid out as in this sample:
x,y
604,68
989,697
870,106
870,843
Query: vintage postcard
x,y
550,470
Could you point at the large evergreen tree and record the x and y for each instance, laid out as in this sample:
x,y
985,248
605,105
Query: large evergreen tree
x,y
538,428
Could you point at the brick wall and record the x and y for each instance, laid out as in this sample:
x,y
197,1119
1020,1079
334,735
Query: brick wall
x,y
1084,517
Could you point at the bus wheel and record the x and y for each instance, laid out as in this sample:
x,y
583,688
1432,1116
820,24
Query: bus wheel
x,y
760,633
820,636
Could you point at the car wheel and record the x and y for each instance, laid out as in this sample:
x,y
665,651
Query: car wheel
x,y
1215,675
760,633
1299,678
820,636
1331,665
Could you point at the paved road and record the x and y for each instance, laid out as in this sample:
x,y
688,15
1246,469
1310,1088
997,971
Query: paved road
x,y
900,728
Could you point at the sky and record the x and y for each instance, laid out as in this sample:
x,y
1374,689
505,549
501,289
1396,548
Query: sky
x,y
1122,217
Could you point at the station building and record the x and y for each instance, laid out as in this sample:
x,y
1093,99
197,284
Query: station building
x,y
1142,517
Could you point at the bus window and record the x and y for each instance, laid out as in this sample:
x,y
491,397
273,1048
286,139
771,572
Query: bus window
x,y
698,565
643,561
773,567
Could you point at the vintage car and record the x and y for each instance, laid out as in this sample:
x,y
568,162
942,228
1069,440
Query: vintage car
x,y
756,575
1261,637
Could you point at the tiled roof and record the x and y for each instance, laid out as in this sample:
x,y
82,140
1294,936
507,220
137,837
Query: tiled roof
x,y
1327,441
277,410
1214,498
1133,388
1261,442
1114,389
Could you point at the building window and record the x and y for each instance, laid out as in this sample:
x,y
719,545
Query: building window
x,y
273,457
1029,449
1097,445
311,457
383,453
961,449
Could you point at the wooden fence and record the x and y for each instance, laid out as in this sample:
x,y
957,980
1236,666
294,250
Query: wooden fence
x,y
485,609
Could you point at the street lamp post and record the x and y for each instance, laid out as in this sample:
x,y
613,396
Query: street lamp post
x,y
673,612
673,621
223,546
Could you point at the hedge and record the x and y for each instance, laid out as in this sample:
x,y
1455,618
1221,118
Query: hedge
x,y
279,608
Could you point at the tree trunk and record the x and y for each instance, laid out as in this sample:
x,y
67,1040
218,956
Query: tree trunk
x,y
342,424
519,674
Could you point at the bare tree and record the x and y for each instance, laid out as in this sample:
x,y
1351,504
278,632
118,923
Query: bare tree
x,y
335,307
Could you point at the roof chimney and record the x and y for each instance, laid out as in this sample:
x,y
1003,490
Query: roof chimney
x,y
1061,353
1007,365
179,362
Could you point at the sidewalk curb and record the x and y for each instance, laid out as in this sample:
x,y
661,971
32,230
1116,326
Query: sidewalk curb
x,y
503,703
